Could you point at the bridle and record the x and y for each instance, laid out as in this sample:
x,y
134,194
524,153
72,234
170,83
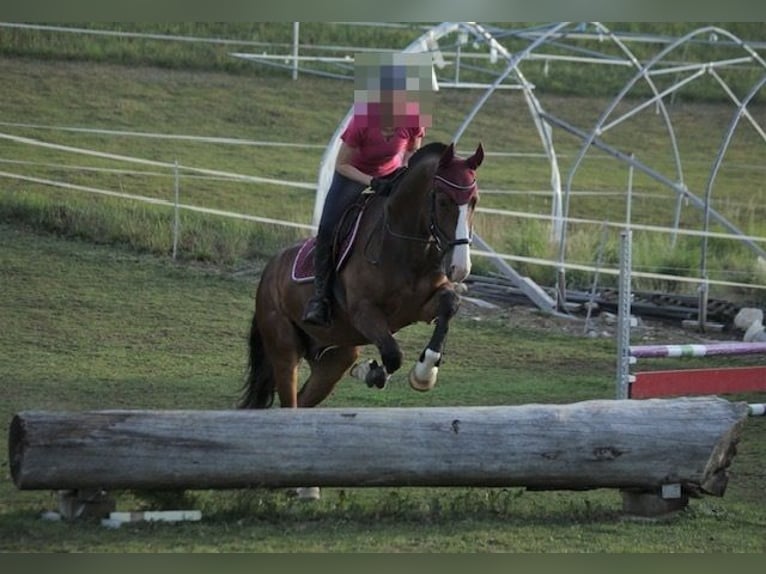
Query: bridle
x,y
460,194
456,193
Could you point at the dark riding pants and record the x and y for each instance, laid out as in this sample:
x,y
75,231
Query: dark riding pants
x,y
342,194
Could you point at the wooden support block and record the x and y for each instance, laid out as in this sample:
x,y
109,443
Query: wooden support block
x,y
85,503
651,504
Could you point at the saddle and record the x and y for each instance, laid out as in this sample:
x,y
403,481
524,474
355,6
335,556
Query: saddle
x,y
345,237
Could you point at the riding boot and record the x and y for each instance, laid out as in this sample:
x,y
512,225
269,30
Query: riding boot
x,y
317,310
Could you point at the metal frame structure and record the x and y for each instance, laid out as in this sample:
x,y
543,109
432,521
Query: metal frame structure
x,y
556,35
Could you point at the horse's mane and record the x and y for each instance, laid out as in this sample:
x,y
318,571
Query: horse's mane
x,y
417,163
433,148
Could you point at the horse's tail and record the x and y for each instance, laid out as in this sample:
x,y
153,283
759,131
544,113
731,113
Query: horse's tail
x,y
258,390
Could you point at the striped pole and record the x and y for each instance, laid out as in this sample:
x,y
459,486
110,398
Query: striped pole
x,y
734,348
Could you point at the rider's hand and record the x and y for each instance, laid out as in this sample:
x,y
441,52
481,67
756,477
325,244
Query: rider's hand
x,y
380,186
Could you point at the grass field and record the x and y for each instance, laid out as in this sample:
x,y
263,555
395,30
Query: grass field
x,y
95,314
90,327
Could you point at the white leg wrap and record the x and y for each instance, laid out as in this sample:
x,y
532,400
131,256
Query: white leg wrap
x,y
423,373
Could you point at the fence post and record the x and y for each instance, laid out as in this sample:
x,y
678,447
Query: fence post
x,y
623,315
176,222
296,36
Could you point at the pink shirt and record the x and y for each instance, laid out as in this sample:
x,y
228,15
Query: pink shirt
x,y
374,154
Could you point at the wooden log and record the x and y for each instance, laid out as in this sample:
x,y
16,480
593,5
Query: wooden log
x,y
593,444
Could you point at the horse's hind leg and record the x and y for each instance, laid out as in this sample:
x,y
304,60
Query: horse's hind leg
x,y
284,349
423,374
326,371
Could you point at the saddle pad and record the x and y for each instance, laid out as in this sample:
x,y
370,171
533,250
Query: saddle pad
x,y
303,265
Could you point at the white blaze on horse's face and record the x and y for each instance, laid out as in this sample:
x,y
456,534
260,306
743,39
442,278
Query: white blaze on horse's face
x,y
460,266
457,180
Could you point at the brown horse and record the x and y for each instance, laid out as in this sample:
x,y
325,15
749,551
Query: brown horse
x,y
410,247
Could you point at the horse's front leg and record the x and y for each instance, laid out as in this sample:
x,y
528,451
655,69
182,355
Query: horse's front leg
x,y
423,374
373,324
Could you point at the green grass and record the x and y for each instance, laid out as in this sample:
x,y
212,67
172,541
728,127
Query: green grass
x,y
91,327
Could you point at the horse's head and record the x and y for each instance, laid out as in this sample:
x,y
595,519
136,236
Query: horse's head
x,y
443,185
454,198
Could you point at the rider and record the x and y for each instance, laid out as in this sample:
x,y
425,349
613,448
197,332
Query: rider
x,y
387,127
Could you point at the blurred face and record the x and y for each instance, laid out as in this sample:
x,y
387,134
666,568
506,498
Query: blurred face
x,y
393,90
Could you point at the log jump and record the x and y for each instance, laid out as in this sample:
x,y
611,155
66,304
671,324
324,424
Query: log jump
x,y
636,445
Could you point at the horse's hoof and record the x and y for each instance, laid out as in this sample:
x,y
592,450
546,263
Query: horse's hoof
x,y
307,493
377,377
361,370
423,373
425,384
371,373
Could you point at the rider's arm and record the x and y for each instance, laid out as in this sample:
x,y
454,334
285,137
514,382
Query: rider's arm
x,y
343,165
413,146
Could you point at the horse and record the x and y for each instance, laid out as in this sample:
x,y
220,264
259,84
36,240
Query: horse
x,y
410,249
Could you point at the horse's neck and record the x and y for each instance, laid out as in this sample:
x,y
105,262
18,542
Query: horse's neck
x,y
406,209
